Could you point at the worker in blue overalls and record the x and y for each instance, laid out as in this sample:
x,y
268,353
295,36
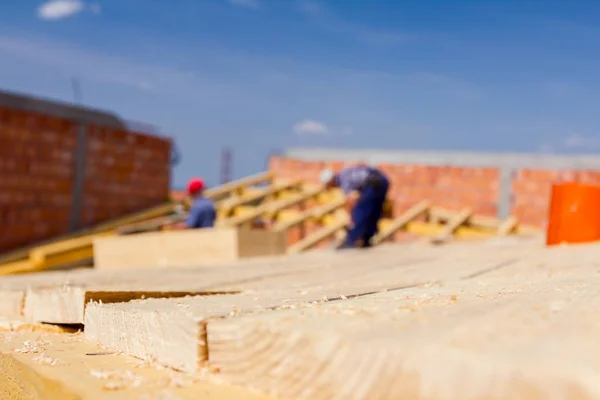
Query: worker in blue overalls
x,y
202,211
372,187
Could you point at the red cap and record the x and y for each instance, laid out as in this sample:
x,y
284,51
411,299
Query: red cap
x,y
195,185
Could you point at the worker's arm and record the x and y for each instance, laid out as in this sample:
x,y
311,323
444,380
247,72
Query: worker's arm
x,y
196,219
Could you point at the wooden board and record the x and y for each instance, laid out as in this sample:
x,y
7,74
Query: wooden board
x,y
63,299
46,295
528,331
65,367
171,331
185,248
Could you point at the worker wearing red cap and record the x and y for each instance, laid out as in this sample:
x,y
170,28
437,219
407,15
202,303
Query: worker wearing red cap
x,y
202,211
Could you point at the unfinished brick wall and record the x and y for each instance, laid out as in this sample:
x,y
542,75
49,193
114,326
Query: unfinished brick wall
x,y
124,172
454,187
531,191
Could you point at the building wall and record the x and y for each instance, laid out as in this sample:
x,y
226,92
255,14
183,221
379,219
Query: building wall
x,y
41,170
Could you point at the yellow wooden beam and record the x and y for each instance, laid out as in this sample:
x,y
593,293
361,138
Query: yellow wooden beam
x,y
507,227
444,215
459,219
253,195
318,236
401,222
18,267
267,209
228,188
311,213
428,229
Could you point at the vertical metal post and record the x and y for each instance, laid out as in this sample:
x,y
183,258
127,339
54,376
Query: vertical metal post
x,y
226,164
78,178
505,193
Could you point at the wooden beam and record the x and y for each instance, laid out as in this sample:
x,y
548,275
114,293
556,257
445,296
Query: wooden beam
x,y
227,206
452,225
508,226
317,212
226,189
61,366
481,221
429,229
320,235
401,222
266,209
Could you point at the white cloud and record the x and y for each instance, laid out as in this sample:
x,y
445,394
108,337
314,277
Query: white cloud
x,y
59,9
311,127
245,3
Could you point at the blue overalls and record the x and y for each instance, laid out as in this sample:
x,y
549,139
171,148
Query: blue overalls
x,y
202,214
368,209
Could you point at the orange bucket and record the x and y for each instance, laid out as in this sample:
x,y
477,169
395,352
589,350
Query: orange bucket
x,y
574,214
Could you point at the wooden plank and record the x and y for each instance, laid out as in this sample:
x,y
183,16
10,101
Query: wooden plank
x,y
226,207
154,322
185,248
224,190
481,221
452,225
66,367
312,213
246,274
52,289
315,238
61,301
493,335
462,232
267,209
508,226
401,222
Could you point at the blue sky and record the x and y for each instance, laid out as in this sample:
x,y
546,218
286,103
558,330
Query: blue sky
x,y
263,75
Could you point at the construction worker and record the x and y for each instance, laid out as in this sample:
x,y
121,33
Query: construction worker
x,y
371,186
202,211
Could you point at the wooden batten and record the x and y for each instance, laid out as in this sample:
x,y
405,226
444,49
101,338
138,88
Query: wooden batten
x,y
185,248
66,367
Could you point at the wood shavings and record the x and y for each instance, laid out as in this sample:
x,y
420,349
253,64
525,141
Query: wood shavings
x,y
117,380
32,347
43,359
172,382
165,395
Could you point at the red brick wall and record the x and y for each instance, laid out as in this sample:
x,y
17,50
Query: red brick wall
x,y
456,187
450,187
531,191
125,172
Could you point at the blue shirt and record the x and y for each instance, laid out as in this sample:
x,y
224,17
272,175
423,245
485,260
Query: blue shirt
x,y
202,214
351,179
